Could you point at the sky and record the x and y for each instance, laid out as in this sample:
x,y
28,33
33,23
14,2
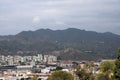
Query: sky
x,y
91,15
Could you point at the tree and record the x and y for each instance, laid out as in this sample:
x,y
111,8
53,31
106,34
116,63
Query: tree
x,y
117,67
107,66
106,71
59,68
102,76
61,75
84,74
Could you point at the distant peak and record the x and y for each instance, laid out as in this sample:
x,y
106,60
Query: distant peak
x,y
72,29
44,29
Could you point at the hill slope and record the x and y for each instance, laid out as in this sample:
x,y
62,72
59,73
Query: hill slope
x,y
66,44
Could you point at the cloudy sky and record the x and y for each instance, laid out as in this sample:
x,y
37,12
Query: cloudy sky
x,y
93,15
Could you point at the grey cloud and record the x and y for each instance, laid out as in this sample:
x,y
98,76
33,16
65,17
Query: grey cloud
x,y
97,15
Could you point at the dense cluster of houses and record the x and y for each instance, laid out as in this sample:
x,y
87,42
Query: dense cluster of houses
x,y
24,67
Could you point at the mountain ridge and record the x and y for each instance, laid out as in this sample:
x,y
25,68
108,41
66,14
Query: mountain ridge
x,y
82,44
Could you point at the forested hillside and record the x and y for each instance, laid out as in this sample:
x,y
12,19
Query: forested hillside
x,y
66,44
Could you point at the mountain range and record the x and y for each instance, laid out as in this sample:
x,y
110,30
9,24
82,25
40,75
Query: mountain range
x,y
68,44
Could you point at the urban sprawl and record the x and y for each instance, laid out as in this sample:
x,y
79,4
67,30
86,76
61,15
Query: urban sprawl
x,y
23,67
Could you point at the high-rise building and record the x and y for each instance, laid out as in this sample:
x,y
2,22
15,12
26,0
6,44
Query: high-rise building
x,y
40,57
